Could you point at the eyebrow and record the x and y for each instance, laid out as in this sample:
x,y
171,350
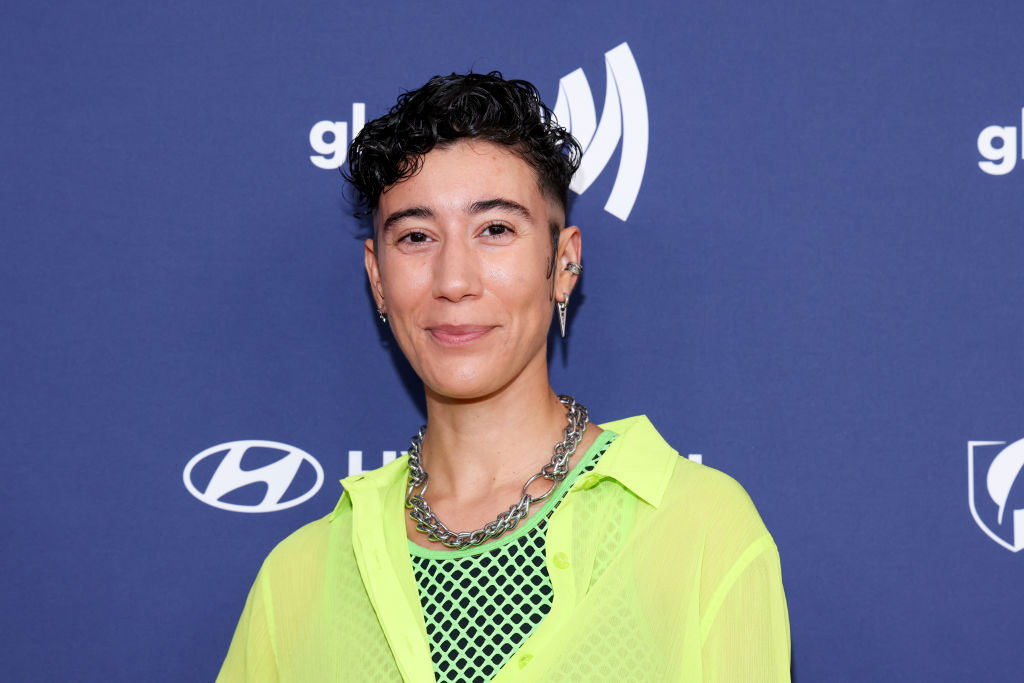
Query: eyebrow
x,y
476,207
412,212
506,205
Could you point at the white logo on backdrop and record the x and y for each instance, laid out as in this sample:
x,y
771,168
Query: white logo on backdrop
x,y
355,461
991,505
1002,159
330,139
624,117
230,476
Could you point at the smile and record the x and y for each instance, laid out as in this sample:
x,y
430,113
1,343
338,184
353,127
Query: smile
x,y
458,335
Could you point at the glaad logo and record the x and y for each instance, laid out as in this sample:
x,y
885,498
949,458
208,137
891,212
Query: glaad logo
x,y
998,506
1005,154
624,117
230,476
330,139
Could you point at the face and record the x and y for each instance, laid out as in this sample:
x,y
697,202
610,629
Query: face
x,y
462,266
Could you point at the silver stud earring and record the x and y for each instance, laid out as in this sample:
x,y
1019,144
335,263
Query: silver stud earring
x,y
563,306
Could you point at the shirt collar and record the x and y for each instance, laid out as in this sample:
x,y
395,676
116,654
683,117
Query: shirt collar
x,y
381,479
639,459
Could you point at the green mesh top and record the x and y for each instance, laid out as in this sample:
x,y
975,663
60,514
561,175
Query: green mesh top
x,y
480,604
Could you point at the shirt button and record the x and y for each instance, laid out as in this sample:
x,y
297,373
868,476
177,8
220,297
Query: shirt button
x,y
524,660
561,561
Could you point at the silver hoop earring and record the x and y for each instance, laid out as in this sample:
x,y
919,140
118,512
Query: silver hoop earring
x,y
574,268
563,306
382,315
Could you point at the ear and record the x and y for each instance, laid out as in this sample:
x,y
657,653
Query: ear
x,y
570,250
373,272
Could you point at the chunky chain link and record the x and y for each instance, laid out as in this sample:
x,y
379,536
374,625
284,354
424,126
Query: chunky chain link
x,y
554,472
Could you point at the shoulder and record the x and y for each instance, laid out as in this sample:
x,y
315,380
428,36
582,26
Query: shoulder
x,y
301,565
712,493
693,496
304,547
732,535
646,464
309,545
722,521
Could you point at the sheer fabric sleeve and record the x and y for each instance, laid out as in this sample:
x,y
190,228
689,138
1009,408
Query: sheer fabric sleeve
x,y
251,655
746,628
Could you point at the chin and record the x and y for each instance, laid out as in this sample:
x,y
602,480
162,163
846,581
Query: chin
x,y
461,384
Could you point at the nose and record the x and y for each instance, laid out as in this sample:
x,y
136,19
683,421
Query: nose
x,y
456,271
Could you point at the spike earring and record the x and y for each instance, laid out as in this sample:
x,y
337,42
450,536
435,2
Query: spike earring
x,y
562,308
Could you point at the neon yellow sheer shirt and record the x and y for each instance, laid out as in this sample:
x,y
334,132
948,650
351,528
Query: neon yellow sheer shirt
x,y
661,570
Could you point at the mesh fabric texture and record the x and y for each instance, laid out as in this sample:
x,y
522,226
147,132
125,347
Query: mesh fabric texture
x,y
480,604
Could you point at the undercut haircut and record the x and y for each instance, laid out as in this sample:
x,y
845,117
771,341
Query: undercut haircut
x,y
457,107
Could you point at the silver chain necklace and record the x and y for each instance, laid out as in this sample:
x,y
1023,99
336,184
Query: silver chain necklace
x,y
555,472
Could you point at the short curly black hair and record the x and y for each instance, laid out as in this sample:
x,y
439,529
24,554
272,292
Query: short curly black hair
x,y
462,106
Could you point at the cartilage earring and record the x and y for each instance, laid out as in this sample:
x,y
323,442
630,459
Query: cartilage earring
x,y
382,315
562,308
574,268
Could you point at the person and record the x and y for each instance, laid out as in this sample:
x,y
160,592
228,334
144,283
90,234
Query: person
x,y
516,541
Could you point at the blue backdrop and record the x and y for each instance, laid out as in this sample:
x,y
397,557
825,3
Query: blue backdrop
x,y
818,289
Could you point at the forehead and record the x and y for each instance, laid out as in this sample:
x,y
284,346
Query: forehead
x,y
456,176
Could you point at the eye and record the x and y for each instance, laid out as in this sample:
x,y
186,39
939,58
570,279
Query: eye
x,y
497,230
414,237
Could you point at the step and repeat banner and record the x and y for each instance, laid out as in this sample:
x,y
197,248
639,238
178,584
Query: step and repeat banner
x,y
804,233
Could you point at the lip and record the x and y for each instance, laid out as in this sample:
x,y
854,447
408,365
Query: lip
x,y
458,335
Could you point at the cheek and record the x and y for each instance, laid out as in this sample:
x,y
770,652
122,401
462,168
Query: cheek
x,y
524,289
404,284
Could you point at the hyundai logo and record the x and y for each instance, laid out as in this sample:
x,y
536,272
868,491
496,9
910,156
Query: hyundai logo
x,y
230,476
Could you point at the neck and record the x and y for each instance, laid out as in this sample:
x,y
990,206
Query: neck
x,y
473,447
